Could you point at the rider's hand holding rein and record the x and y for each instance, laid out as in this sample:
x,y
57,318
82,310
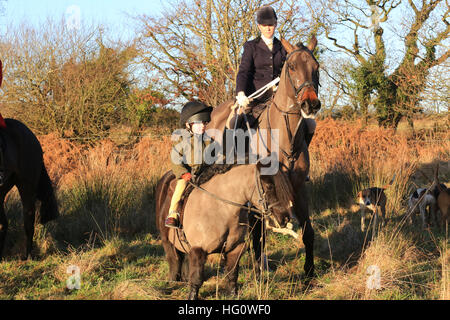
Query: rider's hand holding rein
x,y
242,100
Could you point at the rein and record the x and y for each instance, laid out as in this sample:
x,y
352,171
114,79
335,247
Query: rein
x,y
293,154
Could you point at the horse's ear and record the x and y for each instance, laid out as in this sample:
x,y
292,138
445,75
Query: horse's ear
x,y
287,46
1,72
312,43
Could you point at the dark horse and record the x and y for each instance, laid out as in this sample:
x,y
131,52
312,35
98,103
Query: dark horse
x,y
24,168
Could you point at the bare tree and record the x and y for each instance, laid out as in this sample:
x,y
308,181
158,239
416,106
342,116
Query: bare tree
x,y
65,81
394,85
195,46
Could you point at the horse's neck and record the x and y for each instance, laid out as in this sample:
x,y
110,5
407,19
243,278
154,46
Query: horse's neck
x,y
281,97
273,118
234,185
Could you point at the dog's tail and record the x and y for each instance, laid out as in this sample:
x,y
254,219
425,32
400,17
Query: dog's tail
x,y
389,184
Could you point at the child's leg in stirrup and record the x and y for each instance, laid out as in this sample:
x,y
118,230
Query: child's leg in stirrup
x,y
172,220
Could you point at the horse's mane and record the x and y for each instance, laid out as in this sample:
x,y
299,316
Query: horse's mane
x,y
281,182
283,188
212,170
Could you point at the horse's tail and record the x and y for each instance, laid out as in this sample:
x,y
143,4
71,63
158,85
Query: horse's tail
x,y
49,206
161,193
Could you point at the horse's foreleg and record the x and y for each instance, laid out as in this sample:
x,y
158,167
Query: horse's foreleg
x,y
302,213
308,240
257,230
29,211
197,259
29,218
3,229
232,268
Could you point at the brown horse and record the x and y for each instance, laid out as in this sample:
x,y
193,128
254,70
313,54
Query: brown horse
x,y
24,168
295,99
214,221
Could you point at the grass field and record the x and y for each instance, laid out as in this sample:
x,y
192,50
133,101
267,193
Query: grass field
x,y
106,228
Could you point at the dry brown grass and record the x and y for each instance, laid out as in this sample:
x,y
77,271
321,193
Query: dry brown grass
x,y
346,147
112,186
67,161
349,146
358,157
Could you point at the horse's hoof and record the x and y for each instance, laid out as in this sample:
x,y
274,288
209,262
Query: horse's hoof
x,y
233,292
28,257
193,296
193,293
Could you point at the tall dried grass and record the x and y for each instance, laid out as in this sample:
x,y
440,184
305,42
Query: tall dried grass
x,y
347,157
107,191
103,190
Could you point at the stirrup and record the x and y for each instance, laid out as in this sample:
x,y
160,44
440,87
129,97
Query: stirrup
x,y
171,222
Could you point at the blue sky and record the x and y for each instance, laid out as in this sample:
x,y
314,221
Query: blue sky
x,y
111,13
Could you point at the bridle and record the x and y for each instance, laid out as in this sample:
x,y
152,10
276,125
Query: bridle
x,y
305,84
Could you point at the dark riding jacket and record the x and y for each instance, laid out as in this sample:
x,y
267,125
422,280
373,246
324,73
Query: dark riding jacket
x,y
259,65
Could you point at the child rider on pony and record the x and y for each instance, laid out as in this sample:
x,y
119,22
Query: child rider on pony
x,y
194,117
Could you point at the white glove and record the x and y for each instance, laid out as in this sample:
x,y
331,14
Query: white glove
x,y
242,99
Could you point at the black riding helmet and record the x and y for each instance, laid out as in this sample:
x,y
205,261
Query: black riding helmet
x,y
266,16
195,111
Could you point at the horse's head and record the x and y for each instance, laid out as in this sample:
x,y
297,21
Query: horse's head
x,y
279,196
301,72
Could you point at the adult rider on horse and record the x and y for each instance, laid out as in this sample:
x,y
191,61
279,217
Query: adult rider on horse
x,y
262,62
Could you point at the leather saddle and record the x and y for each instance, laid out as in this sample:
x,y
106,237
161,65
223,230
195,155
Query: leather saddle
x,y
206,173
